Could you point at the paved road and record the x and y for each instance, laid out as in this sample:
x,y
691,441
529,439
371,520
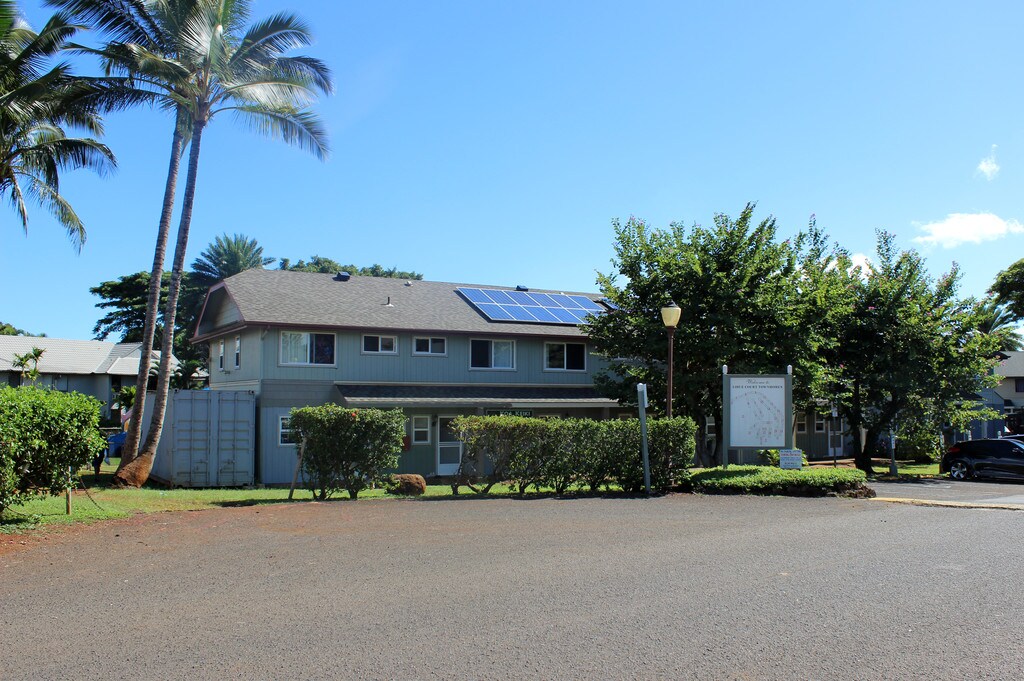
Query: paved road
x,y
677,587
944,489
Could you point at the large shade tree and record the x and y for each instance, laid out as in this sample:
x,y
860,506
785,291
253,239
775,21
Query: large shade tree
x,y
1009,289
40,104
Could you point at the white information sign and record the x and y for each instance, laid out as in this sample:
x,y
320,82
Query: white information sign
x,y
757,416
791,458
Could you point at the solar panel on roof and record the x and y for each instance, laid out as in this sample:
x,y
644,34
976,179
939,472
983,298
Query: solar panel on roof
x,y
530,307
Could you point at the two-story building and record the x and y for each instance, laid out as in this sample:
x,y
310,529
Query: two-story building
x,y
435,350
1011,390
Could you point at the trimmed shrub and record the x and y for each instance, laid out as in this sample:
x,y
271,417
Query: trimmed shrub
x,y
44,436
347,449
562,453
809,482
407,484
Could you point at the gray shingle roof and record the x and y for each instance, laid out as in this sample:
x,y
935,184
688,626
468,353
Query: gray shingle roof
x,y
1012,366
67,356
279,297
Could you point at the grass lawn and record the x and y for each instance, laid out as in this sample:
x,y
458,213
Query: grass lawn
x,y
905,468
104,502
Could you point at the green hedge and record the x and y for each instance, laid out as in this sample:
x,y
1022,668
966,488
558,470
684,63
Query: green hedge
x,y
44,435
347,449
560,454
807,482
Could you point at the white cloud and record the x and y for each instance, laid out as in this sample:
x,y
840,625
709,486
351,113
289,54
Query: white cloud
x,y
967,228
988,166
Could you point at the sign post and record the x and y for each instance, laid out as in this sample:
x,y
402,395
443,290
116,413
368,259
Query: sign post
x,y
641,398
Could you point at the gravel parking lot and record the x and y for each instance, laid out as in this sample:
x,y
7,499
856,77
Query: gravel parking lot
x,y
682,586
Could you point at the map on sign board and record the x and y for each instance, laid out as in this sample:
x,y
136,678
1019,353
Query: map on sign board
x,y
757,416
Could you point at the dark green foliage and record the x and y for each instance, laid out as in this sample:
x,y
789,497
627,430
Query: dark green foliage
x,y
347,449
44,435
327,266
1009,288
11,330
564,453
809,482
227,256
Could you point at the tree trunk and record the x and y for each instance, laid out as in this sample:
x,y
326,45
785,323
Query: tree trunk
x,y
131,444
137,472
861,452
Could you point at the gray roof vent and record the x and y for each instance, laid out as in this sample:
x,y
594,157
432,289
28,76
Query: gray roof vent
x,y
520,287
342,276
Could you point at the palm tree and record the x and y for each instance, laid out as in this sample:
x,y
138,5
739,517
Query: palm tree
x,y
37,106
996,320
144,46
227,255
245,73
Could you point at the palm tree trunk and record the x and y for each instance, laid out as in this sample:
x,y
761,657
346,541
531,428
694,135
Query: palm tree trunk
x,y
131,444
137,472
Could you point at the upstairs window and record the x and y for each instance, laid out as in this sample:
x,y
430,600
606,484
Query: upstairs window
x,y
238,351
429,346
220,355
492,354
380,345
1018,385
565,356
299,348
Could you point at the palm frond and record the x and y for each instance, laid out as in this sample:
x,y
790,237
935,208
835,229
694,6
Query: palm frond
x,y
301,128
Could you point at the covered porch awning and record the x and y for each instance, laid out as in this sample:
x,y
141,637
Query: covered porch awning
x,y
469,397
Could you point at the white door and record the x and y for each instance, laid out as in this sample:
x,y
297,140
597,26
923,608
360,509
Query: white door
x,y
449,448
835,438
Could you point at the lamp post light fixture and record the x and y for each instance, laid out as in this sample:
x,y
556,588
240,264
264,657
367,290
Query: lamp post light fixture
x,y
670,317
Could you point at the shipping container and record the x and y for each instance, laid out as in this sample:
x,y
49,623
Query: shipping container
x,y
208,440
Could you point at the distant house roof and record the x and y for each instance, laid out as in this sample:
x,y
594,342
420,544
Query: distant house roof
x,y
65,356
302,299
1012,366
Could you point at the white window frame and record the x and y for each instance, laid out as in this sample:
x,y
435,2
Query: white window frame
x,y
819,423
309,349
284,426
415,428
220,355
430,344
801,424
565,356
380,342
492,341
238,352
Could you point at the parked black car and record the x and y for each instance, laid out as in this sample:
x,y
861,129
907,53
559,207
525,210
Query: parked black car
x,y
1003,458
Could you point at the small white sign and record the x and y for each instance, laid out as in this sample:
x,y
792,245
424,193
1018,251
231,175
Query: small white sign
x,y
791,458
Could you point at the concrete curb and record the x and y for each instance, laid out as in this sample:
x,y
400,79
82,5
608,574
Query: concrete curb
x,y
949,504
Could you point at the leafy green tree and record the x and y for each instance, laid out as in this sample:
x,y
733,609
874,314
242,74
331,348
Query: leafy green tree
x,y
737,287
227,255
1009,289
907,342
11,330
323,265
39,105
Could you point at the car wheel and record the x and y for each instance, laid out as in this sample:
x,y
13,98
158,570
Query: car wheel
x,y
960,470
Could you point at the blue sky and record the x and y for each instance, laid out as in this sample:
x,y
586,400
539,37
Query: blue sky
x,y
494,142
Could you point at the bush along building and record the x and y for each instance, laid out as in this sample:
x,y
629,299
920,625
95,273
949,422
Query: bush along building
x,y
435,350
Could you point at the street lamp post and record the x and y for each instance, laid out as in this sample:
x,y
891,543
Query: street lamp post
x,y
670,317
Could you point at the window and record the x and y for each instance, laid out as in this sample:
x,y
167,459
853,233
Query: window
x,y
238,351
819,423
565,356
710,427
307,348
1018,385
420,430
220,355
380,345
801,424
284,432
487,354
429,346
